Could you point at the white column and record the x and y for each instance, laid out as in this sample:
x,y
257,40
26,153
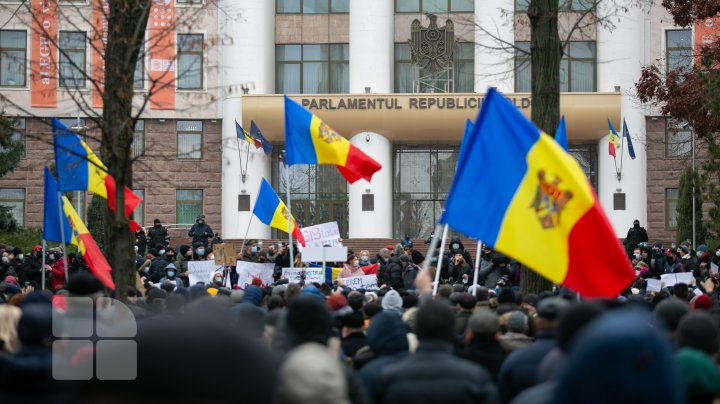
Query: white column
x,y
247,59
378,222
619,60
493,67
371,45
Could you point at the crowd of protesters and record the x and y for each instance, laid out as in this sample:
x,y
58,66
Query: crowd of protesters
x,y
483,342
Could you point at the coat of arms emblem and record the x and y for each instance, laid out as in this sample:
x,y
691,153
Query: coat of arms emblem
x,y
432,46
549,200
326,134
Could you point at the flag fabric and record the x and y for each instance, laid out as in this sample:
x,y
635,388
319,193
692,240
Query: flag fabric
x,y
466,134
88,248
271,210
626,133
244,135
308,140
518,191
258,136
561,134
613,141
132,200
52,217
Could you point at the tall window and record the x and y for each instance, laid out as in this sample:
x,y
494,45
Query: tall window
x,y
586,155
577,67
563,5
138,143
72,59
678,140
463,59
139,212
312,6
423,175
188,204
679,47
312,69
671,201
434,6
139,75
319,193
14,199
189,134
18,134
190,61
13,50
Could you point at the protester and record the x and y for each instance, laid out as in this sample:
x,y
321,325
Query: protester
x,y
200,231
635,236
352,268
482,346
158,236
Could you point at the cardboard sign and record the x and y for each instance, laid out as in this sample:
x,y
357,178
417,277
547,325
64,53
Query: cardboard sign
x,y
672,279
330,254
324,234
225,254
201,271
312,275
249,270
367,282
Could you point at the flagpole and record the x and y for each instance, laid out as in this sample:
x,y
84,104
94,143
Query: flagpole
x,y
438,268
62,236
247,230
622,150
43,262
477,267
287,189
431,249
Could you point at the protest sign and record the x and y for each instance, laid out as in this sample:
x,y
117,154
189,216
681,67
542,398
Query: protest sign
x,y
367,282
324,234
201,271
312,275
249,270
654,285
713,268
324,254
672,279
224,254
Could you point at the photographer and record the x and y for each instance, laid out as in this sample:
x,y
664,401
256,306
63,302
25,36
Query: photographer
x,y
459,267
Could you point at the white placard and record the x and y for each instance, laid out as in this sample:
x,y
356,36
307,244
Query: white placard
x,y
312,275
249,270
201,271
332,254
367,282
320,235
654,285
713,268
672,279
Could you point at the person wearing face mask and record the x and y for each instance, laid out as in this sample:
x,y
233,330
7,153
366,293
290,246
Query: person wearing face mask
x,y
171,276
17,259
250,252
198,252
456,247
657,260
352,267
635,236
141,241
158,235
459,267
672,263
33,267
200,231
157,265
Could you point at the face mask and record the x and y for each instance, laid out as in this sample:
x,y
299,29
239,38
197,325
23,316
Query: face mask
x,y
162,252
211,257
146,270
356,262
136,248
253,250
201,221
717,253
364,258
456,246
21,256
636,255
218,280
636,225
171,274
170,256
699,254
201,251
5,259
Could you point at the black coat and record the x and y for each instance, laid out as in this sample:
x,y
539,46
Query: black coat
x,y
393,273
32,270
352,343
200,233
486,352
635,237
157,236
434,375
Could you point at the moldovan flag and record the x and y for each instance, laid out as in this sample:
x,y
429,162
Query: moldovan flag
x,y
542,210
88,248
244,135
308,140
561,134
52,219
613,141
271,210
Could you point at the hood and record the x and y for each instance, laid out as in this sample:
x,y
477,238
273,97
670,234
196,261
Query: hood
x,y
455,240
387,334
392,302
253,294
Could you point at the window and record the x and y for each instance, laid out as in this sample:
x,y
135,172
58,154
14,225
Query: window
x,y
18,134
678,140
563,5
13,49
190,61
312,6
423,175
72,59
434,6
587,156
312,69
464,74
139,213
319,193
139,76
14,199
577,67
189,135
671,201
138,143
188,204
679,47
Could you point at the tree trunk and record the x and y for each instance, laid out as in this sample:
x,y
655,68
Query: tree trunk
x,y
545,51
126,21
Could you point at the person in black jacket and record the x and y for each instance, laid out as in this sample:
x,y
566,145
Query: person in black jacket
x,y
635,236
391,273
433,374
416,256
158,235
141,241
200,231
482,346
32,268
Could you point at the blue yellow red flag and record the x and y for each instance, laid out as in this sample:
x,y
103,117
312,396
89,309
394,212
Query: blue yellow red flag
x,y
271,210
613,140
561,134
52,219
245,135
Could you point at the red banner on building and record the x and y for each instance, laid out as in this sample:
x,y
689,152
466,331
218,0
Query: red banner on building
x,y
100,11
43,59
161,28
707,32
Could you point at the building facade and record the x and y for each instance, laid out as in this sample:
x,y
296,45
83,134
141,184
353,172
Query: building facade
x,y
349,61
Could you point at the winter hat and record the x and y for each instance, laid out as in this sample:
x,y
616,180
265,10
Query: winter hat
x,y
84,284
17,251
386,334
35,325
702,302
670,311
699,374
12,280
312,291
625,353
700,331
390,247
253,295
308,320
312,374
657,244
37,296
256,281
552,307
236,296
336,302
354,319
392,302
278,290
409,301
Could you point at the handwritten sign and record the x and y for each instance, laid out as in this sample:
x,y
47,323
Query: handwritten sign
x,y
324,234
249,270
367,282
673,279
225,254
312,275
201,271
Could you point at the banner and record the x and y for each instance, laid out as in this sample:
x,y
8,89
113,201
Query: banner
x,y
161,32
312,275
100,11
319,235
707,32
367,282
201,271
249,270
43,65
